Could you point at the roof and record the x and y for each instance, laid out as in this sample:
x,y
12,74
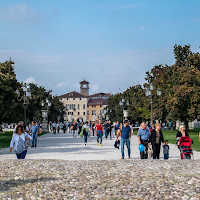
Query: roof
x,y
99,101
84,82
72,95
100,95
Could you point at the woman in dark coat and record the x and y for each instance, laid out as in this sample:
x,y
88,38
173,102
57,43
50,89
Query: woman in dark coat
x,y
156,137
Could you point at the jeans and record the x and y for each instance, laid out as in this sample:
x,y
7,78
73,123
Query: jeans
x,y
166,156
34,139
54,130
127,141
99,136
144,154
21,155
106,134
85,138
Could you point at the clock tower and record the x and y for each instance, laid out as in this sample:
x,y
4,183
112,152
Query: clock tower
x,y
84,87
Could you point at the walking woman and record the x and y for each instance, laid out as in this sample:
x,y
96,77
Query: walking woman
x,y
156,137
19,142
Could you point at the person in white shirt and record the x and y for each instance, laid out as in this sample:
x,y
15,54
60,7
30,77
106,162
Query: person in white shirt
x,y
54,126
18,142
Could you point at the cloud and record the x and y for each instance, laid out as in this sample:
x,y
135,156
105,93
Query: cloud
x,y
19,13
59,85
30,80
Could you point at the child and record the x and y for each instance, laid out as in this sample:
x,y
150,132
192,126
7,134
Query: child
x,y
166,150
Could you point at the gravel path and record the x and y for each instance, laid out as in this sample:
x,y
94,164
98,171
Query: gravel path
x,y
121,179
64,147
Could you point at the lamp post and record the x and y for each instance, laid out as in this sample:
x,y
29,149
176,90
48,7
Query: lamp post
x,y
46,105
149,93
125,112
26,95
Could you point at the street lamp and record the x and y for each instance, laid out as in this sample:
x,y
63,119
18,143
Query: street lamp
x,y
26,95
46,105
125,112
149,93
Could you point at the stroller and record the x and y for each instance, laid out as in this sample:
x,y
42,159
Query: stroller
x,y
185,144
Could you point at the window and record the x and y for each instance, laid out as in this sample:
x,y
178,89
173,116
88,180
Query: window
x,y
88,112
78,107
100,112
72,113
83,106
68,113
83,113
74,106
61,99
70,106
78,113
80,98
100,106
67,98
73,98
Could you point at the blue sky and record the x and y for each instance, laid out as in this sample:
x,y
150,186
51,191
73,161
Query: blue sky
x,y
110,43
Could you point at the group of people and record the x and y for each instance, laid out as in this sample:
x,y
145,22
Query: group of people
x,y
151,138
24,137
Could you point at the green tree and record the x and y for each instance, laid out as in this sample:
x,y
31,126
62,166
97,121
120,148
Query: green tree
x,y
8,86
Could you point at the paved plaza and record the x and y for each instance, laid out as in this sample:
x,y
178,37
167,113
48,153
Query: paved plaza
x,y
65,147
62,167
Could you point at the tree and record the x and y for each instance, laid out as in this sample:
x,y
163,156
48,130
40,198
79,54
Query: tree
x,y
8,86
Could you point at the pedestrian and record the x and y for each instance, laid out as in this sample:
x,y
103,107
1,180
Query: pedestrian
x,y
125,133
50,126
110,129
74,129
54,126
106,127
156,137
85,130
143,138
61,125
64,127
99,129
18,141
58,127
181,133
34,131
166,150
93,128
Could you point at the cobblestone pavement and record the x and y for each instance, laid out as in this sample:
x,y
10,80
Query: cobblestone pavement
x,y
121,179
64,147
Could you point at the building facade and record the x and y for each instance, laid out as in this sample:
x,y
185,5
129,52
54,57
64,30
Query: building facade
x,y
81,106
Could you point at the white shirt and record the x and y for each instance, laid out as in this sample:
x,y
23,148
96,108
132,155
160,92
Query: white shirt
x,y
15,139
54,125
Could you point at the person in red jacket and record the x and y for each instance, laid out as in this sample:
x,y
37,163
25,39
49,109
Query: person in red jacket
x,y
99,128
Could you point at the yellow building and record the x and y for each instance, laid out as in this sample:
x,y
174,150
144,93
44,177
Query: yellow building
x,y
81,106
96,105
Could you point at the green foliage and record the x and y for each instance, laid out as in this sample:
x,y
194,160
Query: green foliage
x,y
8,86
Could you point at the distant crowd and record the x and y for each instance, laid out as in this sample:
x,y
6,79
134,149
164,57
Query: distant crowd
x,y
149,138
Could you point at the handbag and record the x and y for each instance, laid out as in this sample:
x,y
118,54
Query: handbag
x,y
28,143
150,153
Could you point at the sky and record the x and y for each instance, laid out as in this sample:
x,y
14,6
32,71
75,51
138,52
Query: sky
x,y
110,43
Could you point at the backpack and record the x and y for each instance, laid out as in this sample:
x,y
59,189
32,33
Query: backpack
x,y
84,132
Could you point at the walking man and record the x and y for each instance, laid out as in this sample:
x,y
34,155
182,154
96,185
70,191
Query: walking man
x,y
143,138
34,131
106,127
86,130
99,128
125,132
54,125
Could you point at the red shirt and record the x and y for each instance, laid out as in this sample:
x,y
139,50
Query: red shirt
x,y
99,127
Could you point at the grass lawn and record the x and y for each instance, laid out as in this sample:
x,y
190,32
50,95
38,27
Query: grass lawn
x,y
171,137
6,137
194,134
